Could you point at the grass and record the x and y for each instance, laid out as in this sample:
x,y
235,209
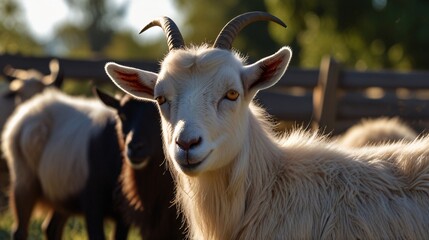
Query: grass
x,y
75,229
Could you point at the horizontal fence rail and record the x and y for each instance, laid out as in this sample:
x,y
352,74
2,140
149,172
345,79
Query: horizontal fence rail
x,y
331,98
94,69
78,69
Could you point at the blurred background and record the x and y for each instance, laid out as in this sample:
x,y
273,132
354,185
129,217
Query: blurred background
x,y
367,34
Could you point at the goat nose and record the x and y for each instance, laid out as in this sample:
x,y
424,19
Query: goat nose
x,y
188,144
136,146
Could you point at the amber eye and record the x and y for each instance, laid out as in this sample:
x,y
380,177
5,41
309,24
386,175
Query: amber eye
x,y
160,99
232,95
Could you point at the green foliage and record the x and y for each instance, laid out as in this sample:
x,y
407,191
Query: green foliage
x,y
362,34
205,19
14,35
125,46
74,40
99,17
82,88
369,34
75,229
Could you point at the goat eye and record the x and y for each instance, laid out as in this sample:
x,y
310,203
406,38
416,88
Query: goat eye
x,y
232,95
160,99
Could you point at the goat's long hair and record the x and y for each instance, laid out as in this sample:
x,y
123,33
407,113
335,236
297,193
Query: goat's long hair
x,y
301,185
48,136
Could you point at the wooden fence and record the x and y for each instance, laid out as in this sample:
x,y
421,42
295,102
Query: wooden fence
x,y
343,97
330,98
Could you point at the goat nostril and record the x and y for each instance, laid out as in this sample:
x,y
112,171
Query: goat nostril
x,y
136,146
186,145
195,142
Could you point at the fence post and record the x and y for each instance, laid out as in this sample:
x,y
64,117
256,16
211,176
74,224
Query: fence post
x,y
325,96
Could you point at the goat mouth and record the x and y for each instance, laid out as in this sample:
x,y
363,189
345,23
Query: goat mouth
x,y
139,163
189,166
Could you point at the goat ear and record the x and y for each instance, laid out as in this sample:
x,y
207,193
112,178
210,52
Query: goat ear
x,y
106,98
266,72
136,82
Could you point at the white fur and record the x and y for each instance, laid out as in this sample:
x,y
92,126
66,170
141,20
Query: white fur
x,y
48,137
30,83
252,184
377,131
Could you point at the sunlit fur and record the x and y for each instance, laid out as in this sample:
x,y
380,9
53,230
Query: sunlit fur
x,y
257,185
52,144
26,84
377,131
303,187
300,186
193,76
23,89
35,136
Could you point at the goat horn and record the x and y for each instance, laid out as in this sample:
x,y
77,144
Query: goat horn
x,y
232,28
174,37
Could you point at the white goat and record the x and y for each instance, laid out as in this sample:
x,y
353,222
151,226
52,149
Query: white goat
x,y
65,152
377,131
237,180
22,85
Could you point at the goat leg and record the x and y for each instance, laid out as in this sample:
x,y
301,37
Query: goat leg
x,y
53,225
22,202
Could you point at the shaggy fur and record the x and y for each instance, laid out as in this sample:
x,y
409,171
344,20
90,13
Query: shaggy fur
x,y
302,187
377,131
51,142
37,133
237,180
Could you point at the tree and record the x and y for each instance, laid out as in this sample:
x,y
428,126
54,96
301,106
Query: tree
x,y
206,18
124,46
97,27
14,34
362,34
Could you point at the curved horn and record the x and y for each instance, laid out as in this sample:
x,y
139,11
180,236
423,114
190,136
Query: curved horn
x,y
232,28
174,37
